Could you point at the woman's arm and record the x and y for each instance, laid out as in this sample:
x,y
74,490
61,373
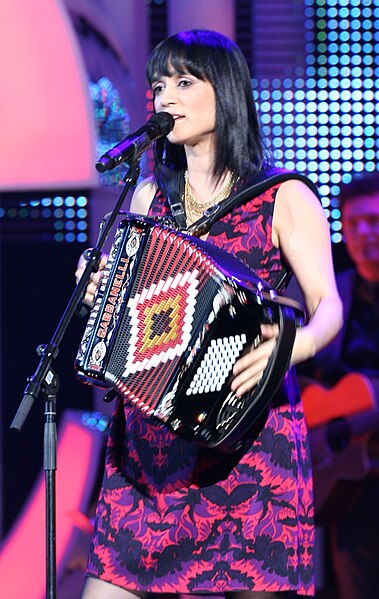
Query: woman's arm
x,y
301,231
143,196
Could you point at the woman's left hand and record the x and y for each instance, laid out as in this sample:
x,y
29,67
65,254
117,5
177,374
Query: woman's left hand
x,y
248,370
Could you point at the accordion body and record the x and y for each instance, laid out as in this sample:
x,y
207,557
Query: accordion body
x,y
171,317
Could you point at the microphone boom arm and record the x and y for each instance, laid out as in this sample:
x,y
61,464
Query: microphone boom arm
x,y
134,145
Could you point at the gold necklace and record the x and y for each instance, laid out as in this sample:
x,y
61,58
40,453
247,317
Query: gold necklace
x,y
195,209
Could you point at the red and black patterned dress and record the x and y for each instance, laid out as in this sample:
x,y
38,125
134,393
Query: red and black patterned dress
x,y
176,518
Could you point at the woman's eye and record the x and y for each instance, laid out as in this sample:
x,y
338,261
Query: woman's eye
x,y
157,89
184,83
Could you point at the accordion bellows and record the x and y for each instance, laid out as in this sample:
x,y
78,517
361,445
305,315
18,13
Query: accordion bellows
x,y
171,317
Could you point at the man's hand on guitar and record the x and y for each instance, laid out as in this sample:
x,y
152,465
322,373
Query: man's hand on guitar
x,y
249,369
89,297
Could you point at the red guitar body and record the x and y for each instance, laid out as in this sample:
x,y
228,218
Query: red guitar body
x,y
341,422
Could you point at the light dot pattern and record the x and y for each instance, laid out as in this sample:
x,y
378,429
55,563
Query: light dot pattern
x,y
325,121
58,218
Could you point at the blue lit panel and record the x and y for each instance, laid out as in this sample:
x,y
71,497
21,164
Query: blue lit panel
x,y
324,121
59,218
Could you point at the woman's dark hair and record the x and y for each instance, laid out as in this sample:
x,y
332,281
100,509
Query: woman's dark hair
x,y
212,57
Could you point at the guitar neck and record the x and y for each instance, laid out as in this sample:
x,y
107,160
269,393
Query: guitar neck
x,y
354,425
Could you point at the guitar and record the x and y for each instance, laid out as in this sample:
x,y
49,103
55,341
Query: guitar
x,y
341,421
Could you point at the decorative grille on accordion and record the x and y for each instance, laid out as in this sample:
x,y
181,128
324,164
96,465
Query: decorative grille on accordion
x,y
170,320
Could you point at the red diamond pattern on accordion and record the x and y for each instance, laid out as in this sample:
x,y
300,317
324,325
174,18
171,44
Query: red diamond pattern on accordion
x,y
161,322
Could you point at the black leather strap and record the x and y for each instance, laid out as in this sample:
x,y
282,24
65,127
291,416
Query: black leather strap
x,y
264,182
173,187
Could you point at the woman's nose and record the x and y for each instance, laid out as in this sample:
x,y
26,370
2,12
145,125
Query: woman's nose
x,y
168,96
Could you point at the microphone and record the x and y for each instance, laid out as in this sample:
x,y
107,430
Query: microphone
x,y
132,146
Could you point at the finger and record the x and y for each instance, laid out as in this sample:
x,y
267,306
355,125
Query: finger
x,y
250,366
269,331
249,378
262,351
103,261
92,287
89,298
82,262
247,386
78,274
249,369
96,277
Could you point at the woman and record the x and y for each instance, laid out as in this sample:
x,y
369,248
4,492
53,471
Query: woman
x,y
173,517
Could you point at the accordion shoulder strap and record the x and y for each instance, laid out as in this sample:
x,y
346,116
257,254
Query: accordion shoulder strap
x,y
264,182
172,185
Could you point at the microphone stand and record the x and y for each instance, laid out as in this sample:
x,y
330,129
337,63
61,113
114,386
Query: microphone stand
x,y
46,379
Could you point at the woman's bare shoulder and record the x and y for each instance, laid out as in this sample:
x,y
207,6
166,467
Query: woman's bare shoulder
x,y
143,196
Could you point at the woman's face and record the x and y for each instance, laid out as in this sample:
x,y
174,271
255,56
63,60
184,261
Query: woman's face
x,y
192,103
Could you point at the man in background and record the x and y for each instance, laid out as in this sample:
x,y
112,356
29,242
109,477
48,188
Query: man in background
x,y
351,511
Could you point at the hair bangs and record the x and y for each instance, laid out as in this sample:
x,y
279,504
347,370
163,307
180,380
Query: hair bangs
x,y
212,57
179,54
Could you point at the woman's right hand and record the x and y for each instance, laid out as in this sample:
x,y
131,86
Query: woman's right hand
x,y
95,278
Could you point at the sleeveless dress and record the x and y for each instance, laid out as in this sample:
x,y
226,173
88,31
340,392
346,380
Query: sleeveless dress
x,y
176,518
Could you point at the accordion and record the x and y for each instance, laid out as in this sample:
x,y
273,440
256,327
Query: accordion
x,y
171,317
